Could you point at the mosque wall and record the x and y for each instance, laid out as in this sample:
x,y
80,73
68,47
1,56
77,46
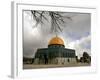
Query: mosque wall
x,y
55,61
66,60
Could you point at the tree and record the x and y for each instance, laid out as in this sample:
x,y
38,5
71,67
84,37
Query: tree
x,y
85,54
86,57
57,19
77,60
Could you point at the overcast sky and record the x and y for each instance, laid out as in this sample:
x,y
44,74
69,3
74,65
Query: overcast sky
x,y
76,33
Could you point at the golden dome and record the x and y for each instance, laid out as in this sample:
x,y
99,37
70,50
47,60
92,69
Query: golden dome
x,y
56,40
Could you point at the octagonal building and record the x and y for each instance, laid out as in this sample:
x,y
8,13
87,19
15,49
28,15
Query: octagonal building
x,y
56,53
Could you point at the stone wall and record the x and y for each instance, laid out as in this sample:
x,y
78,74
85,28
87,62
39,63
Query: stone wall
x,y
55,61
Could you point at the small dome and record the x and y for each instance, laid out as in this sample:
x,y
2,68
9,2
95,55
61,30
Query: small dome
x,y
56,40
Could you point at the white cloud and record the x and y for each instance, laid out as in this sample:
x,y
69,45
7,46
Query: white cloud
x,y
81,45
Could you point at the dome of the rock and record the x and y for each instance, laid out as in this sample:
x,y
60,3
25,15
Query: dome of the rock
x,y
56,53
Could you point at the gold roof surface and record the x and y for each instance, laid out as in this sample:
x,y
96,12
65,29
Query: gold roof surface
x,y
56,40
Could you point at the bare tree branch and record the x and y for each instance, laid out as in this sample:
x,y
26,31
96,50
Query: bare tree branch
x,y
56,19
